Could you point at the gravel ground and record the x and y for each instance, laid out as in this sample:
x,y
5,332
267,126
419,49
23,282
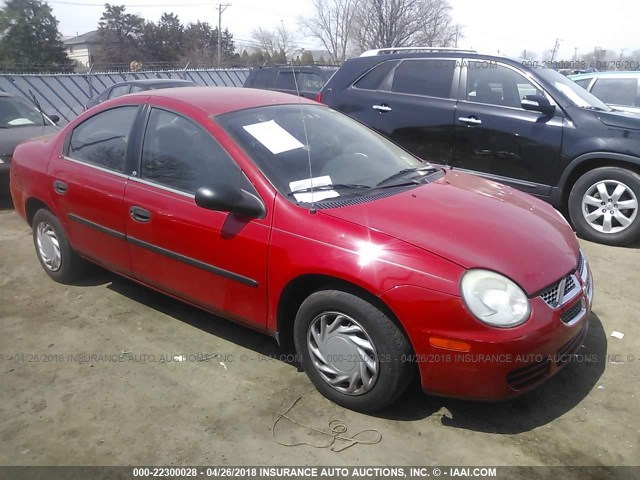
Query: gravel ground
x,y
129,407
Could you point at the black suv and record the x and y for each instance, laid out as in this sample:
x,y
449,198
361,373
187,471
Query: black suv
x,y
310,79
531,128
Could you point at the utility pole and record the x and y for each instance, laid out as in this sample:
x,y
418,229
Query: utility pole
x,y
556,47
221,8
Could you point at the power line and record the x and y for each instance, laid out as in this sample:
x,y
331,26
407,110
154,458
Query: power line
x,y
141,5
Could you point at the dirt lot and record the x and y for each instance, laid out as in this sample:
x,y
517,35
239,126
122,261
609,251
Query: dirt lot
x,y
132,408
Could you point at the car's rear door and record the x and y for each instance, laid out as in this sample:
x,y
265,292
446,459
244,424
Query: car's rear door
x,y
212,259
496,137
410,101
88,182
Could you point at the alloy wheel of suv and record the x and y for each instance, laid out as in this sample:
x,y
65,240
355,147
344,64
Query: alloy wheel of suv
x,y
603,206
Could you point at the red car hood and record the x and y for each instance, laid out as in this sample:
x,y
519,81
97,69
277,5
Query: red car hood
x,y
476,223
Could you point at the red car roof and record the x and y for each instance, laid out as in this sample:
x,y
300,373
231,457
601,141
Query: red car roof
x,y
219,100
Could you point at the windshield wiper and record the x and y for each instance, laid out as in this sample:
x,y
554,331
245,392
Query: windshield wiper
x,y
335,186
387,182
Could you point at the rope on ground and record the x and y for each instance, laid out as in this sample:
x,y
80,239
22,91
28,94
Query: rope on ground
x,y
337,431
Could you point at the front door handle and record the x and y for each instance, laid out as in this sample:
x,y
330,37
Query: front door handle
x,y
60,187
470,121
382,108
140,215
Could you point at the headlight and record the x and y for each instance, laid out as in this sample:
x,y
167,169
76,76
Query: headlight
x,y
494,299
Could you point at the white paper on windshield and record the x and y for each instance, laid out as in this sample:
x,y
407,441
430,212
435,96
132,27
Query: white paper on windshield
x,y
273,136
315,196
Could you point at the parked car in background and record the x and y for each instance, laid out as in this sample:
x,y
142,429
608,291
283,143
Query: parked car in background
x,y
293,219
620,90
19,121
283,78
134,86
531,128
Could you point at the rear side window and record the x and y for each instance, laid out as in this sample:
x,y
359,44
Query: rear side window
x,y
583,82
119,91
102,139
179,154
431,78
310,82
374,78
261,79
616,91
285,81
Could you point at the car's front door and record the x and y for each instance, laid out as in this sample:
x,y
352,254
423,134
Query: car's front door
x,y
212,259
496,137
88,183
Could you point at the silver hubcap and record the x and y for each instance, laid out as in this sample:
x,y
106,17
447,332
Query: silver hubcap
x,y
342,353
48,247
609,206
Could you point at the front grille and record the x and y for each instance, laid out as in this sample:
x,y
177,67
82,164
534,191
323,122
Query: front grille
x,y
572,313
580,267
528,376
570,285
550,295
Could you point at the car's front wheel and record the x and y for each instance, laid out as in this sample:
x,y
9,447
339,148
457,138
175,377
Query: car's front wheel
x,y
352,351
603,206
54,252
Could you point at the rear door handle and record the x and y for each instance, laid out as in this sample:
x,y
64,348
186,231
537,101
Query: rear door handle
x,y
140,215
382,108
60,187
470,120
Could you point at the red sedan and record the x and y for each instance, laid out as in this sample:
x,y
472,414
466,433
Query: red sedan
x,y
288,217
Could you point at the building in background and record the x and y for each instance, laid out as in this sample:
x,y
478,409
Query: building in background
x,y
82,48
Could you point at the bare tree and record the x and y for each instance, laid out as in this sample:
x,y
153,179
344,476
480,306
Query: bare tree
x,y
265,40
436,25
331,23
404,23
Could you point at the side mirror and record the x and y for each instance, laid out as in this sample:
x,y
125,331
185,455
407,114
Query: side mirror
x,y
226,198
538,103
54,118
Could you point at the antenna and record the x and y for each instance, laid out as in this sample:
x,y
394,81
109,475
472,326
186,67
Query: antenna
x,y
312,211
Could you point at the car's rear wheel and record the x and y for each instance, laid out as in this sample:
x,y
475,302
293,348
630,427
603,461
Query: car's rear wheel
x,y
54,252
603,206
352,351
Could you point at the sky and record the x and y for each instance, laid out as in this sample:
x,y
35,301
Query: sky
x,y
490,26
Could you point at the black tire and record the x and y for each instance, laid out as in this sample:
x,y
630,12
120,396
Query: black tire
x,y
70,265
612,174
392,348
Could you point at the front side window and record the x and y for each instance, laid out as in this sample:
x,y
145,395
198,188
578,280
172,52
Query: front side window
x,y
102,139
179,154
15,112
497,85
302,146
432,78
616,91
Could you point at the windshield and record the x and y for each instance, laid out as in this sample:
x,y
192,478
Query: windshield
x,y
347,158
15,112
572,91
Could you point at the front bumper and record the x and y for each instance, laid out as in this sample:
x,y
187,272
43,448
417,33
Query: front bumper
x,y
488,363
